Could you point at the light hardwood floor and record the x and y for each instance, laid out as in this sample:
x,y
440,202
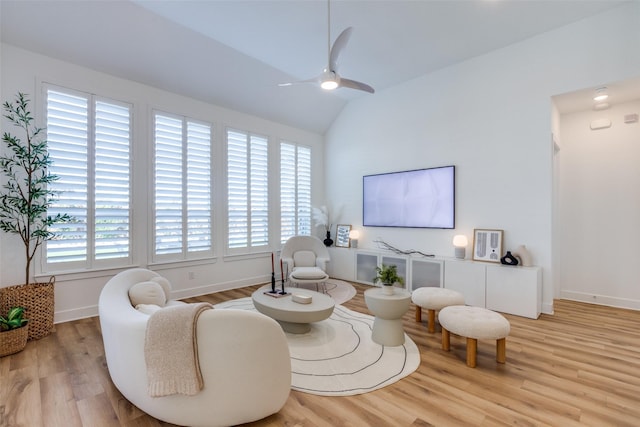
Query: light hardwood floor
x,y
580,366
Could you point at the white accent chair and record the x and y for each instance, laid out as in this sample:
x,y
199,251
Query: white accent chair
x,y
244,360
306,259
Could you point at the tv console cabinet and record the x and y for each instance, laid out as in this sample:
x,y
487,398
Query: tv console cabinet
x,y
507,289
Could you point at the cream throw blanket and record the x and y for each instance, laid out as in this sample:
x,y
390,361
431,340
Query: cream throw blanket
x,y
171,350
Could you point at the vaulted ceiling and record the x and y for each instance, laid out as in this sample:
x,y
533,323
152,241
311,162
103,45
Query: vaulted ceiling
x,y
234,53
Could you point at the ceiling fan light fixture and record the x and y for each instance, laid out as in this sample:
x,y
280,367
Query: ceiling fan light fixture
x,y
601,94
329,85
330,80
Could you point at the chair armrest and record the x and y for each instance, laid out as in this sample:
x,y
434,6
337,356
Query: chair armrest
x,y
287,264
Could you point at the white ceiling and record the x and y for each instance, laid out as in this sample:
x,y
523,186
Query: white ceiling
x,y
234,53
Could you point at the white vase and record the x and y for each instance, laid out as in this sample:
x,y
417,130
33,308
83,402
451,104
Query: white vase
x,y
523,254
387,289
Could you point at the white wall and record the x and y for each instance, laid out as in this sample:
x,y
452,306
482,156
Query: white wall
x,y
491,117
77,294
599,207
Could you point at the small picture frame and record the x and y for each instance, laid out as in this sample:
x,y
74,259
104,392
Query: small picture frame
x,y
342,236
487,245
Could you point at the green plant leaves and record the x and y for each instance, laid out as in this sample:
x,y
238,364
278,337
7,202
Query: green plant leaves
x,y
388,274
13,320
26,195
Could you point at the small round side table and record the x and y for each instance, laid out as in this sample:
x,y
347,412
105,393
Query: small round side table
x,y
388,311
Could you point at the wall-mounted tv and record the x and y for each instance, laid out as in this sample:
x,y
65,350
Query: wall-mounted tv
x,y
423,198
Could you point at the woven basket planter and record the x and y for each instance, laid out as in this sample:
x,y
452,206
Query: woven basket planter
x,y
38,302
14,340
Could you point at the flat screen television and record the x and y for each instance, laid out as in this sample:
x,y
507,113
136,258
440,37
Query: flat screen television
x,y
423,198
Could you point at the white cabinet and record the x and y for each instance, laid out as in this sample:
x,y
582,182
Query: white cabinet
x,y
514,290
468,278
507,289
341,263
416,272
426,272
366,263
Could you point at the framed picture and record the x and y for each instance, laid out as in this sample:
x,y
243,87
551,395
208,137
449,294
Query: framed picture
x,y
342,236
487,245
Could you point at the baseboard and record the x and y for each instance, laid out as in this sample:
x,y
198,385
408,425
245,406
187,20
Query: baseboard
x,y
75,314
92,310
547,308
601,300
217,287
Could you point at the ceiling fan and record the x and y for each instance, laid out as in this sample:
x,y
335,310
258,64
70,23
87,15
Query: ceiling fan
x,y
330,79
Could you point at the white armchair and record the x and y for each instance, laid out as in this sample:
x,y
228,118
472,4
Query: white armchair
x,y
306,259
244,359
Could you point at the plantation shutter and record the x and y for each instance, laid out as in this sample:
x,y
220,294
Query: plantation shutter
x,y
247,191
287,191
303,190
199,229
89,145
168,185
67,144
295,190
112,181
182,187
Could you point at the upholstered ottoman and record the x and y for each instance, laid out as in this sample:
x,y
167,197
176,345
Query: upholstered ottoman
x,y
475,323
434,299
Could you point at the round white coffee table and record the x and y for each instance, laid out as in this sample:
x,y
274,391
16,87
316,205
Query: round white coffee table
x,y
292,316
388,311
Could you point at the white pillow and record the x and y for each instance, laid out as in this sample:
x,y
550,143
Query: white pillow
x,y
147,293
148,308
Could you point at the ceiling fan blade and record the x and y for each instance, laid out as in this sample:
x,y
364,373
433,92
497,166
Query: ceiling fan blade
x,y
338,46
352,84
312,80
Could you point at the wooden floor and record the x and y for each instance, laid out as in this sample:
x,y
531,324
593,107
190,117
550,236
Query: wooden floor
x,y
580,366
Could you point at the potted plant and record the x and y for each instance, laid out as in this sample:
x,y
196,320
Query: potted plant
x,y
13,332
388,276
24,201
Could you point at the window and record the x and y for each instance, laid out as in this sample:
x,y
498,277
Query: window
x,y
295,190
182,188
247,192
89,146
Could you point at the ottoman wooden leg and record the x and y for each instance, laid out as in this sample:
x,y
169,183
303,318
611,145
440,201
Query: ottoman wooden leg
x,y
418,314
432,321
501,350
446,343
472,349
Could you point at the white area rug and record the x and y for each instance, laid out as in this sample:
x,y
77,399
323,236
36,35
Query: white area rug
x,y
338,358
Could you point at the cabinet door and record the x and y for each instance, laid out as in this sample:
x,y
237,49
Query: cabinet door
x,y
401,266
341,263
426,273
366,267
515,290
467,278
